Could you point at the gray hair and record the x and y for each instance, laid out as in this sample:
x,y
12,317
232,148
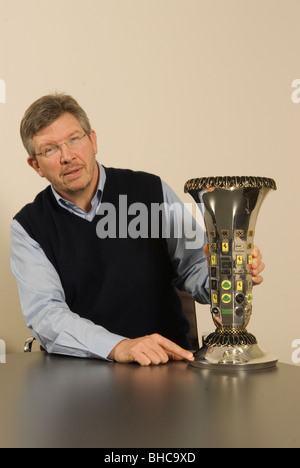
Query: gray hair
x,y
44,112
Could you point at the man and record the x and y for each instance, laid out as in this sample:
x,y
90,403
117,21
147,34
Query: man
x,y
86,294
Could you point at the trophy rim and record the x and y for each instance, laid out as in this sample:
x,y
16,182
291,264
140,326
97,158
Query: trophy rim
x,y
229,182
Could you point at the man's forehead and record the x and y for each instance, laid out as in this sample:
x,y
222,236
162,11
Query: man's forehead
x,y
63,127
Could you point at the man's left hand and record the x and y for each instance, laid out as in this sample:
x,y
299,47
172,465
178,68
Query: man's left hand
x,y
257,266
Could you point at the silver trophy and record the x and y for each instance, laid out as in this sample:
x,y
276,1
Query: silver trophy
x,y
230,207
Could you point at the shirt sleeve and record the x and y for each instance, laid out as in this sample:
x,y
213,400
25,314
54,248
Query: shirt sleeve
x,y
186,237
43,304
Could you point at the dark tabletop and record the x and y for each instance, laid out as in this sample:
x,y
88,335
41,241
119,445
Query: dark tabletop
x,y
56,401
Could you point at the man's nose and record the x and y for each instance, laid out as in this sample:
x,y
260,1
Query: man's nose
x,y
66,154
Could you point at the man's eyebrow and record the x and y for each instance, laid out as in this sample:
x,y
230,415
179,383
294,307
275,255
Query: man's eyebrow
x,y
53,143
73,133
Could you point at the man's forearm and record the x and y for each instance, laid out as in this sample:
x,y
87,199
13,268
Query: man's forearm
x,y
43,304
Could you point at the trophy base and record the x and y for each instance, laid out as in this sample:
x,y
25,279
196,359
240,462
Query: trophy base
x,y
228,358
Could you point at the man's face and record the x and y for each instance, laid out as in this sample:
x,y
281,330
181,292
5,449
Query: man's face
x,y
71,171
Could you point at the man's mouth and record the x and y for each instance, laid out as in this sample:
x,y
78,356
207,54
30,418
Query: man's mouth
x,y
72,173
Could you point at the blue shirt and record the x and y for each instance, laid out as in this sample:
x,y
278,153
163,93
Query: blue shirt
x,y
42,297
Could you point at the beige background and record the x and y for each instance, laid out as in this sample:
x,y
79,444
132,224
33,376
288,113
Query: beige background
x,y
180,88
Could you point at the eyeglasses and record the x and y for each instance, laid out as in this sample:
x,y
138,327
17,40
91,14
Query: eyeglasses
x,y
51,151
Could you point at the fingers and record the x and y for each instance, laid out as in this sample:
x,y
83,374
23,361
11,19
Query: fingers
x,y
174,351
206,250
256,280
257,266
156,349
147,350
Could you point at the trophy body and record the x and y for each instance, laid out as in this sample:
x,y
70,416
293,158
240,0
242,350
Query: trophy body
x,y
231,206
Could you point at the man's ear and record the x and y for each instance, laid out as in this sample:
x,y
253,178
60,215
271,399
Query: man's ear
x,y
33,162
93,138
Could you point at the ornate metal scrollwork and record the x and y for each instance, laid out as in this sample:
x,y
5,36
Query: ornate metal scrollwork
x,y
229,182
230,337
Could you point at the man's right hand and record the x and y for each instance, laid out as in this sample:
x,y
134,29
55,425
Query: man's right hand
x,y
153,349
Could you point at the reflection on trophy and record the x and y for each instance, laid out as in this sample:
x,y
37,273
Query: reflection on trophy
x,y
230,206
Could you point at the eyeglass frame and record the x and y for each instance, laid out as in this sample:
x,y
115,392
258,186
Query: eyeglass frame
x,y
59,147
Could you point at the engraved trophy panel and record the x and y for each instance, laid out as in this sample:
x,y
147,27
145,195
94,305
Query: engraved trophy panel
x,y
231,207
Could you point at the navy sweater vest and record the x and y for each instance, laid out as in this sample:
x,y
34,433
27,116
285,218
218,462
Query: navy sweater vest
x,y
123,284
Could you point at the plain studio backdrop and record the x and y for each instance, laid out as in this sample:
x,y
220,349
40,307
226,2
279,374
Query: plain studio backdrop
x,y
179,88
